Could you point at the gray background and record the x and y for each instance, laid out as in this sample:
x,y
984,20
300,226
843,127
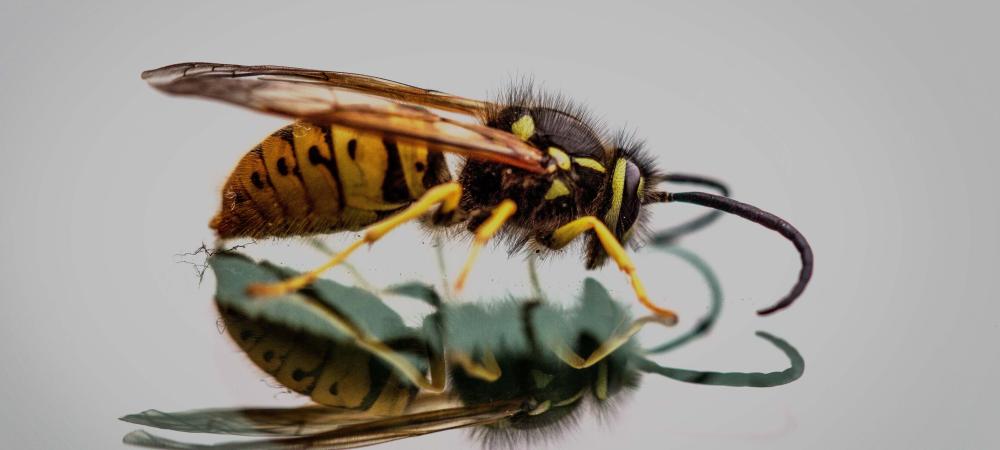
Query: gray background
x,y
870,126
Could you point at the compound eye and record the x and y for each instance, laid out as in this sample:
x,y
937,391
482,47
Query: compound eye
x,y
630,198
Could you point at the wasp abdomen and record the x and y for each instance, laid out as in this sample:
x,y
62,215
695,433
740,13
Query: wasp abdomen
x,y
306,179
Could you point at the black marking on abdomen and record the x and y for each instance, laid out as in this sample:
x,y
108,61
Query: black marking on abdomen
x,y
394,189
378,376
255,179
352,148
315,158
297,171
435,166
298,374
267,176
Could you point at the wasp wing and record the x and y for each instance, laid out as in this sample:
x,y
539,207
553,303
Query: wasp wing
x,y
310,95
359,434
342,80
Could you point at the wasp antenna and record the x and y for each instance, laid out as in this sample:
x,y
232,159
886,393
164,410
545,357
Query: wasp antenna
x,y
670,235
757,215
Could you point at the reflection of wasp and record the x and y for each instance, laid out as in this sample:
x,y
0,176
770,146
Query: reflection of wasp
x,y
366,153
516,369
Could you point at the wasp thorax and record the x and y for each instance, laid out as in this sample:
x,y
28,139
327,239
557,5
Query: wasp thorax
x,y
547,127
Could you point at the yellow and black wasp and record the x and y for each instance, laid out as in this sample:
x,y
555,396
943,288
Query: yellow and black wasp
x,y
517,370
368,152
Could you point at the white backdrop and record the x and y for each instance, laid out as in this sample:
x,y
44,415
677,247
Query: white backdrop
x,y
871,126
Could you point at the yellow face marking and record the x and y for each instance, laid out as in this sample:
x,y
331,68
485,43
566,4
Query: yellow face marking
x,y
617,188
590,163
558,189
562,159
524,128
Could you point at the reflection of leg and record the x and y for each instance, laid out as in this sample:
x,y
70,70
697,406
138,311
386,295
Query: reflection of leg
x,y
536,286
382,351
488,370
447,195
672,234
567,355
321,246
484,232
566,233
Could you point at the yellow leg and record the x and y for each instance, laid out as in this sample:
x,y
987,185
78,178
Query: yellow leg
x,y
566,233
447,195
500,214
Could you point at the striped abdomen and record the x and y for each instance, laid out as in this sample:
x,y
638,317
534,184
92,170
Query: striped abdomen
x,y
332,374
306,179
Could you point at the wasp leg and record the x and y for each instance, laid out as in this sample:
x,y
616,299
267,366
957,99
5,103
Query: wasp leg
x,y
447,195
565,234
571,358
484,232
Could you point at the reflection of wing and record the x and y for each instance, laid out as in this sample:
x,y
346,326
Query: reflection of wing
x,y
359,434
251,421
275,421
337,98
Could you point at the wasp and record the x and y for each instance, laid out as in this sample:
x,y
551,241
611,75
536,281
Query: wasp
x,y
517,369
368,153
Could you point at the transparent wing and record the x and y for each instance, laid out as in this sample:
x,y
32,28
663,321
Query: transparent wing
x,y
274,421
359,434
340,80
356,101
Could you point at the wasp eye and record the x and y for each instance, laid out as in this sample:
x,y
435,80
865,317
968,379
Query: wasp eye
x,y
631,198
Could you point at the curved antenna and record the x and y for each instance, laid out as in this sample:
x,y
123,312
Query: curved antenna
x,y
670,235
740,379
706,323
759,216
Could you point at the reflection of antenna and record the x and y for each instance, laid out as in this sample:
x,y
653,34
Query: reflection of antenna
x,y
670,235
704,324
741,379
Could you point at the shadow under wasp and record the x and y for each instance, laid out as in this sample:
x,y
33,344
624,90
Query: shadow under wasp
x,y
368,152
517,369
